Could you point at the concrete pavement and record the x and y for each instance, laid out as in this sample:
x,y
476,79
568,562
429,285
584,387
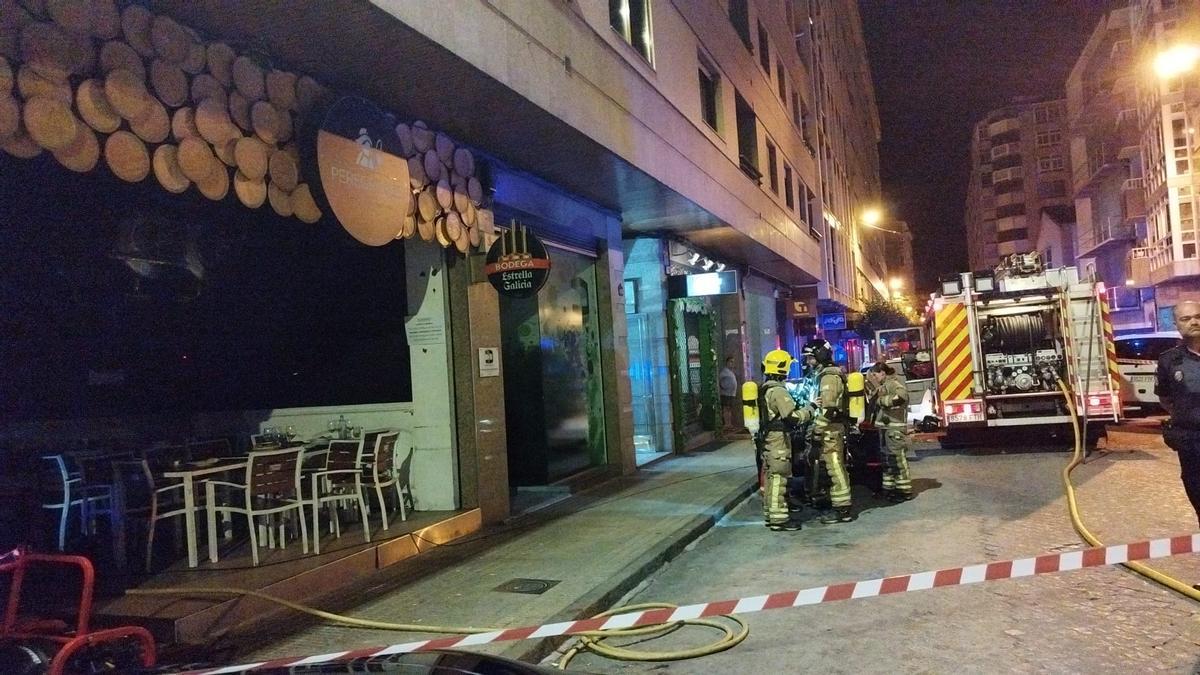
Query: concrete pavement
x,y
970,508
600,547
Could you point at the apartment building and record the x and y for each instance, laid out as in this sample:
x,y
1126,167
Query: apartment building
x,y
1106,176
1020,165
1167,260
648,144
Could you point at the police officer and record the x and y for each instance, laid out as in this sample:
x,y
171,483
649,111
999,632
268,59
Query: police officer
x,y
1178,387
889,398
829,428
778,415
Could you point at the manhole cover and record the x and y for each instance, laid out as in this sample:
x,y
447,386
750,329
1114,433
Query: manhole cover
x,y
528,586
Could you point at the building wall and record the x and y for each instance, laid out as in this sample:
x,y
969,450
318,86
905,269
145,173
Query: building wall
x,y
567,59
1168,109
1020,165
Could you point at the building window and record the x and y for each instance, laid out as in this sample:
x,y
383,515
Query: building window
x,y
1016,234
764,49
747,137
788,197
781,79
1048,138
1053,163
772,168
797,113
1046,113
739,16
985,178
631,20
710,93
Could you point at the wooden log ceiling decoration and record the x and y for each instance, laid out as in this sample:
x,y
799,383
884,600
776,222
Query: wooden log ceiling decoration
x,y
94,81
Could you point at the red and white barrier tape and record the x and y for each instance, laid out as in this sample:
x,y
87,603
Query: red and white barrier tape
x,y
957,576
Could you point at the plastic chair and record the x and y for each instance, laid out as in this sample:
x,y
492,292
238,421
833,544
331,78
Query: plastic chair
x,y
271,487
92,500
340,481
153,498
382,472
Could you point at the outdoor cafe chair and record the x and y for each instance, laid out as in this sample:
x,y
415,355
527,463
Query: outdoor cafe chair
x,y
339,482
271,487
74,491
382,472
148,495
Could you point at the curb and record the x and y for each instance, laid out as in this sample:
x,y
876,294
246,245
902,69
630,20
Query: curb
x,y
607,592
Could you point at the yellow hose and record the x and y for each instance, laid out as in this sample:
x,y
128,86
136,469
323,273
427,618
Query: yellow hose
x,y
588,640
1077,459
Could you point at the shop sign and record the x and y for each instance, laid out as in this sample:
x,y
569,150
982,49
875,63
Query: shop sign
x,y
700,285
363,173
833,321
800,309
517,263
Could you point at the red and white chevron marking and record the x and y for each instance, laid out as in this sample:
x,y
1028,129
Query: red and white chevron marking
x,y
957,576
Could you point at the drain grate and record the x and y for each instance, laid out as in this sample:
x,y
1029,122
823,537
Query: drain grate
x,y
527,586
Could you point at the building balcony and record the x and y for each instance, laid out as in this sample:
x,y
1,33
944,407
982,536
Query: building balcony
x,y
1103,235
1004,126
1133,198
1137,267
1011,173
1006,150
1156,264
1102,160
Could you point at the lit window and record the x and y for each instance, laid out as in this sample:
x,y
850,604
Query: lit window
x,y
631,20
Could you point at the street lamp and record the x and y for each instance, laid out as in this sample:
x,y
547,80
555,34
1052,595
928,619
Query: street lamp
x,y
896,284
871,217
1176,60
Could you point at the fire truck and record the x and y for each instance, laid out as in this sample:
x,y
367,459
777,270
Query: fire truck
x,y
1005,338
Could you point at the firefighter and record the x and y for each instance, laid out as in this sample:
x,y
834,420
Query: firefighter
x,y
829,428
889,398
779,414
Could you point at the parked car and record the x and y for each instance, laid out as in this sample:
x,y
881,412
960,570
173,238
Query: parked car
x,y
1137,359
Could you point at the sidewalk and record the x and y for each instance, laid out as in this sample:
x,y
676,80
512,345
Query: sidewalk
x,y
598,549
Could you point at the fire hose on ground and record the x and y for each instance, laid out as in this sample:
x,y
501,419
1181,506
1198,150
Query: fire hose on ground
x,y
1073,507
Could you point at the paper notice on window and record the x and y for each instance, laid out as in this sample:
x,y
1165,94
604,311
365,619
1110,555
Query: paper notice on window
x,y
425,330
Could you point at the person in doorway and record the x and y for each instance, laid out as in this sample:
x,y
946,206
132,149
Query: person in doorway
x,y
829,429
779,415
888,398
727,384
1178,388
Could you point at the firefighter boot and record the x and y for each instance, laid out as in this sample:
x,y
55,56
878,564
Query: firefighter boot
x,y
839,514
789,525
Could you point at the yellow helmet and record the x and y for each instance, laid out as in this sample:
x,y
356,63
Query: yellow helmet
x,y
777,362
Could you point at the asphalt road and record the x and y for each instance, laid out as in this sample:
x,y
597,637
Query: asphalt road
x,y
970,508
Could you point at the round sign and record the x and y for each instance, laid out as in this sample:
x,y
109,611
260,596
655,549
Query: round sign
x,y
363,173
517,264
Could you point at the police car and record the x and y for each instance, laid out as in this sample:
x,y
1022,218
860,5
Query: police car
x,y
1137,360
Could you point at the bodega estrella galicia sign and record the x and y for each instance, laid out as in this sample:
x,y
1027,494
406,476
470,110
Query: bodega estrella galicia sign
x,y
517,263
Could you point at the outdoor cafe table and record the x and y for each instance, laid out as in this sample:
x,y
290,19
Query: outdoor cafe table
x,y
189,476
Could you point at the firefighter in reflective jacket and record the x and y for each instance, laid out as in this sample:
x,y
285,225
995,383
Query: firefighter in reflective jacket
x,y
829,428
779,414
889,398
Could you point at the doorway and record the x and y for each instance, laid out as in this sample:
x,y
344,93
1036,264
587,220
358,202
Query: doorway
x,y
554,397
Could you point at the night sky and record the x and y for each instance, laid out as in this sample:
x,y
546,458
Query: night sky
x,y
939,66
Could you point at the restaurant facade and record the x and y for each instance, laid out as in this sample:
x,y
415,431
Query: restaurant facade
x,y
222,233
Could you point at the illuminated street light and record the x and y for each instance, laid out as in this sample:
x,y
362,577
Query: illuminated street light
x,y
896,283
1176,61
871,217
